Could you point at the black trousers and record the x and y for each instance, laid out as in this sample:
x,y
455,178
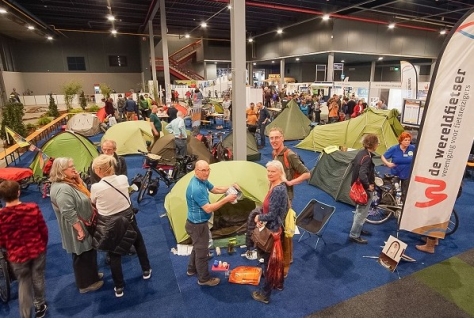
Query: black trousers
x,y
85,268
116,259
198,260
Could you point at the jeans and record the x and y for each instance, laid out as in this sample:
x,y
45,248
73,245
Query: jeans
x,y
116,259
30,274
360,215
198,260
181,147
262,133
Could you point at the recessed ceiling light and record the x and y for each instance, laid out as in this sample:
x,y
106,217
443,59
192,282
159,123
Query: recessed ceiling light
x,y
254,63
30,27
442,32
110,17
297,59
250,40
380,58
229,7
342,61
280,31
326,17
391,25
186,35
203,24
3,10
273,61
49,37
113,31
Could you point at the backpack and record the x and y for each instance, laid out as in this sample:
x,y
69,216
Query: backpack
x,y
290,223
287,163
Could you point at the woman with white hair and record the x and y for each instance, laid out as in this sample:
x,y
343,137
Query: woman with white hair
x,y
72,206
272,215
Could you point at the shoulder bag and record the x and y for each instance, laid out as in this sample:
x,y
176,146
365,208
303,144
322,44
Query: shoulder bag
x,y
263,238
357,192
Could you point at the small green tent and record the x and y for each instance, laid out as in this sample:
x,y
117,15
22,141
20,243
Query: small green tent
x,y
130,136
292,121
333,173
252,179
67,144
350,133
166,148
252,150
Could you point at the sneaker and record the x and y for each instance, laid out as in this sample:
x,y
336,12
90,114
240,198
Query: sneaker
x,y
261,260
92,287
211,282
251,255
256,295
40,311
190,273
118,292
101,275
147,274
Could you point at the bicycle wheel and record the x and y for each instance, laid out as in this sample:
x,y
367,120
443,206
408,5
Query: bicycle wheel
x,y
45,187
4,280
381,213
453,223
144,186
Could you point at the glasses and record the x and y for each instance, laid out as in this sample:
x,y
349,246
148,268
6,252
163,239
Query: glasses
x,y
204,170
275,137
70,167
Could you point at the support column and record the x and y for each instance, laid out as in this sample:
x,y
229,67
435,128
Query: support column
x,y
282,73
154,90
250,68
238,55
205,70
330,75
371,80
164,48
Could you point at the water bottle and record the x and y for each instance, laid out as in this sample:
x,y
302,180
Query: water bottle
x,y
398,194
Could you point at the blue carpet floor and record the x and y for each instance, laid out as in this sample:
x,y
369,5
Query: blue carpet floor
x,y
319,278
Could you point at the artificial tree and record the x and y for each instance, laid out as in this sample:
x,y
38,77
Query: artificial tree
x,y
83,100
70,89
52,107
12,116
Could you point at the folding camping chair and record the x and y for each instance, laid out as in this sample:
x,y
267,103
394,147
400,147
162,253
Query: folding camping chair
x,y
314,218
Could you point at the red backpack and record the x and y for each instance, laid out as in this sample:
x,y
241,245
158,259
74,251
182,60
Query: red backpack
x,y
47,166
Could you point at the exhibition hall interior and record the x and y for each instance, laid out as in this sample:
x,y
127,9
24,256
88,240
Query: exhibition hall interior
x,y
226,116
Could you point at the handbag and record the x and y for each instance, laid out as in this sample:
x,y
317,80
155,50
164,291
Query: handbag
x,y
263,238
358,193
90,224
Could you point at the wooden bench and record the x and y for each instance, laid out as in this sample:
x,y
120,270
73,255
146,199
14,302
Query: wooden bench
x,y
12,153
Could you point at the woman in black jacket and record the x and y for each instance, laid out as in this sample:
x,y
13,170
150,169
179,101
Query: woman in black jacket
x,y
363,168
117,228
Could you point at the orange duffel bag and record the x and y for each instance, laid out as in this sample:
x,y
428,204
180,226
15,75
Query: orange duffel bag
x,y
246,275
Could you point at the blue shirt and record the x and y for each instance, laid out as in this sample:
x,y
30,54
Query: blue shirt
x,y
197,195
403,160
177,128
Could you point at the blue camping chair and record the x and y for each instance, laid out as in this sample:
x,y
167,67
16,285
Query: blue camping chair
x,y
314,218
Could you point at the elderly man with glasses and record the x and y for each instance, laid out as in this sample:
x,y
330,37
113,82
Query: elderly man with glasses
x,y
200,210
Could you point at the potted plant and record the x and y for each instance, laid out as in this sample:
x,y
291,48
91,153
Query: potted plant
x,y
105,90
52,107
83,100
69,90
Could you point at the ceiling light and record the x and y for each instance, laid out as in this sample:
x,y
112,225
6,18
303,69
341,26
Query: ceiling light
x,y
380,58
254,63
49,37
280,31
30,27
273,61
186,35
442,32
203,25
110,17
113,31
229,7
391,25
342,61
3,10
297,59
326,17
250,40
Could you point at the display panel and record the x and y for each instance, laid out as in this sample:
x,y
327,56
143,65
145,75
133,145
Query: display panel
x,y
412,112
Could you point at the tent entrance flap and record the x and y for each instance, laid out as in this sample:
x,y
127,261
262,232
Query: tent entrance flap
x,y
231,219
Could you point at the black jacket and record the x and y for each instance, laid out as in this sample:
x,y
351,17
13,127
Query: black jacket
x,y
363,168
115,233
120,169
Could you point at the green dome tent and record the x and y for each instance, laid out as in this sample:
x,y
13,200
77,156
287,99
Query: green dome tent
x,y
130,136
252,150
166,148
292,121
67,144
350,133
252,179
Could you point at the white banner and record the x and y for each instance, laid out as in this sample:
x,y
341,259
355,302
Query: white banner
x,y
409,80
445,138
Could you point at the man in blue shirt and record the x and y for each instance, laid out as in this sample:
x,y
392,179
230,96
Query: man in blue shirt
x,y
199,212
178,129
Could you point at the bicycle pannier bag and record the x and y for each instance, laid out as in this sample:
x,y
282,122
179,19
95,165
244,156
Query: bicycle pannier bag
x,y
358,193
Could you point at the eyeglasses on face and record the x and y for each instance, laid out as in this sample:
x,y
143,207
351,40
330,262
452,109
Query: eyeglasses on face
x,y
204,170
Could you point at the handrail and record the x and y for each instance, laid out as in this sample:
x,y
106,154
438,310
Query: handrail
x,y
193,46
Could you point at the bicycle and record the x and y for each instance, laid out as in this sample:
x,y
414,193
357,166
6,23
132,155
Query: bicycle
x,y
4,278
167,173
387,204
